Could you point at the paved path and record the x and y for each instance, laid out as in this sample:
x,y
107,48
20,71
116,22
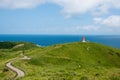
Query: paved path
x,y
19,72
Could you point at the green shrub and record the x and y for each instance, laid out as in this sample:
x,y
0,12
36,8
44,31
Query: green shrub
x,y
84,78
7,45
115,78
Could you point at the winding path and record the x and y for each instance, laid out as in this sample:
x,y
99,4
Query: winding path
x,y
19,72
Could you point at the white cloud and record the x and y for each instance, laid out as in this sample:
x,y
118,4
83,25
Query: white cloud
x,y
77,7
97,20
88,28
70,7
111,21
73,7
15,4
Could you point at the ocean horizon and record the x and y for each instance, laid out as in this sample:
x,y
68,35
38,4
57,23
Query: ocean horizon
x,y
46,40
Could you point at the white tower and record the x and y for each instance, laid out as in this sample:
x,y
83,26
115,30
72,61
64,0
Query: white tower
x,y
83,39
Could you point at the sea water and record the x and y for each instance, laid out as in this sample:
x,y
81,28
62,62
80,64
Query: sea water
x,y
46,40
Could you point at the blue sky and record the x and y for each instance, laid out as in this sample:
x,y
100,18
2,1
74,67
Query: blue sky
x,y
60,17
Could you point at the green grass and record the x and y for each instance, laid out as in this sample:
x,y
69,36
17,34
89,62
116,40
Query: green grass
x,y
71,61
9,53
5,56
97,55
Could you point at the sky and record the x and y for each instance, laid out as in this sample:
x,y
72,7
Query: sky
x,y
88,17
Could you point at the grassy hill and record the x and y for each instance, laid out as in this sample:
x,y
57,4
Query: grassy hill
x,y
86,54
10,50
71,61
17,45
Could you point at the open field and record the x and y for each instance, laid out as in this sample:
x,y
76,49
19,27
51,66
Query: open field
x,y
70,61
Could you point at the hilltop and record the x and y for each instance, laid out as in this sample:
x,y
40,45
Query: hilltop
x,y
72,61
86,54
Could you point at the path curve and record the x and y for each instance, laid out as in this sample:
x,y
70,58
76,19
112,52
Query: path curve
x,y
19,73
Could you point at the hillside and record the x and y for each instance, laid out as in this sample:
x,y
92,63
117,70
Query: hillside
x,y
80,53
17,45
71,61
9,51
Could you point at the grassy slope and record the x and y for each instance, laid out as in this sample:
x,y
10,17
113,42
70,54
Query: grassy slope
x,y
8,54
5,56
72,61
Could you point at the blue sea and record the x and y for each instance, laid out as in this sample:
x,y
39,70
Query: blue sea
x,y
46,40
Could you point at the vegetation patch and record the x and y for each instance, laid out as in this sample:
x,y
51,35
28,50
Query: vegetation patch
x,y
70,61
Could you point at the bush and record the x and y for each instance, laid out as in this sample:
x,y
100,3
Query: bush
x,y
7,45
115,78
84,78
118,54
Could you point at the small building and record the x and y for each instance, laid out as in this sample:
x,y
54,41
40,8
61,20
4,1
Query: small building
x,y
83,39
